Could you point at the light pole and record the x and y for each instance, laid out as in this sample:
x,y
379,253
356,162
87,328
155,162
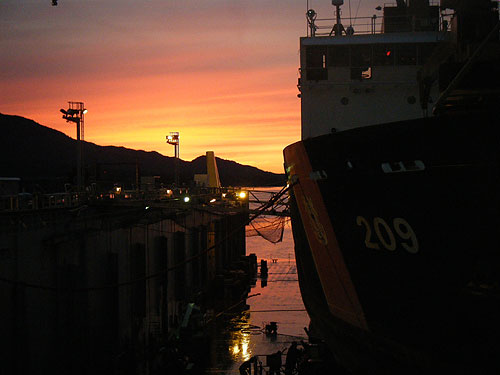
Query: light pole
x,y
173,139
75,113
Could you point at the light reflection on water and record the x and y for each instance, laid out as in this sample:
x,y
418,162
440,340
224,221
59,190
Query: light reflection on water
x,y
240,337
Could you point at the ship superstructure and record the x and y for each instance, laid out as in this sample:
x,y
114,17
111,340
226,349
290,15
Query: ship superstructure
x,y
394,68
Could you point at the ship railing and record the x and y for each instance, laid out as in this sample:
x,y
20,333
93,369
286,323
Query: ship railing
x,y
373,25
360,25
394,3
377,24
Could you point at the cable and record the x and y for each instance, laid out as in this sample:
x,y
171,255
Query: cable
x,y
232,306
350,15
279,310
357,10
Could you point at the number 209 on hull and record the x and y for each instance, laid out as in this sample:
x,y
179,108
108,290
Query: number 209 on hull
x,y
381,235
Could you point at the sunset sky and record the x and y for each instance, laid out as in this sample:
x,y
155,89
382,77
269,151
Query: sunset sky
x,y
223,73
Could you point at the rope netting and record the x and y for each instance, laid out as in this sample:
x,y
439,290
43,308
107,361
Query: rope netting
x,y
270,228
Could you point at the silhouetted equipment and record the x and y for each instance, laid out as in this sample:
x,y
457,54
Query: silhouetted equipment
x,y
274,362
246,367
75,113
401,3
311,14
54,3
311,17
292,356
272,328
263,269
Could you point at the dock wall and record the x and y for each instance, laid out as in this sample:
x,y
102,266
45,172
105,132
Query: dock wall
x,y
90,290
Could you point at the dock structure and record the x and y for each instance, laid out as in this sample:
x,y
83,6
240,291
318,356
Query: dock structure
x,y
90,281
216,199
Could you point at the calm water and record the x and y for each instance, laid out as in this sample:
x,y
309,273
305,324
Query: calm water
x,y
239,337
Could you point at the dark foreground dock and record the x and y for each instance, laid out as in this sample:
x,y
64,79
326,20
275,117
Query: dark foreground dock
x,y
99,286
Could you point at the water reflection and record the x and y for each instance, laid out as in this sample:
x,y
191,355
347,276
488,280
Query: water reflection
x,y
241,336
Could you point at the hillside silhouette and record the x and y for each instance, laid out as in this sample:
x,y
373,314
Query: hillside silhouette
x,y
45,160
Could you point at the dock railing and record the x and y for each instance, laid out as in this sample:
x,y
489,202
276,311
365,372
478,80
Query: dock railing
x,y
195,195
37,201
218,200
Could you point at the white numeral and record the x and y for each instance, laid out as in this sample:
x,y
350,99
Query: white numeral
x,y
405,231
385,235
368,243
379,222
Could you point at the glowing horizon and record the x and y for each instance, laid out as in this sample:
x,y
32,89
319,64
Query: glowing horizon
x,y
223,74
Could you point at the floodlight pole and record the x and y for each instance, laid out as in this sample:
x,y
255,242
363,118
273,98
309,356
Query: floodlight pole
x,y
173,139
75,113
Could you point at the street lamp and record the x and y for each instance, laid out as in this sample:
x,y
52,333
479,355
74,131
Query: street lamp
x,y
75,113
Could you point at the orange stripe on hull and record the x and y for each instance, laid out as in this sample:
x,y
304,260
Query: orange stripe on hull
x,y
337,285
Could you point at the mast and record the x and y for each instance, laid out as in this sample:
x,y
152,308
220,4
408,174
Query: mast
x,y
338,28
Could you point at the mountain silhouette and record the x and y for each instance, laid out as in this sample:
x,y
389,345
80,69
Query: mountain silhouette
x,y
45,160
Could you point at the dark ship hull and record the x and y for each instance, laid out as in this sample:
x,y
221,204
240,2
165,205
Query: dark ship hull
x,y
396,230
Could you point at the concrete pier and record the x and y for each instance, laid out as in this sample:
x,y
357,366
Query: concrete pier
x,y
91,289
